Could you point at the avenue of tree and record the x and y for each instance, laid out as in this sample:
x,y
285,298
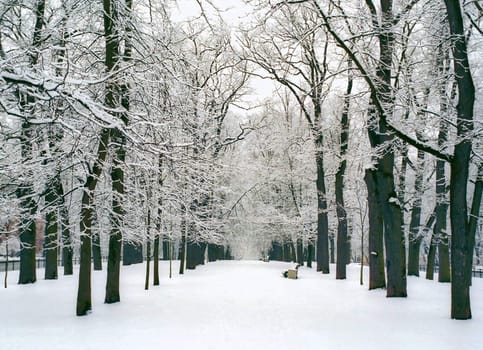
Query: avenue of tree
x,y
133,133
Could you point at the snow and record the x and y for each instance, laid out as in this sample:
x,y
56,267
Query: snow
x,y
236,305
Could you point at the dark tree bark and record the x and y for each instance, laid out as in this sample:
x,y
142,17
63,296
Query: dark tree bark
x,y
322,219
460,233
182,259
51,242
195,255
157,236
25,191
118,139
132,253
67,250
276,252
415,236
380,137
148,250
111,37
431,258
213,252
310,254
165,248
473,220
156,260
377,278
96,252
300,251
342,235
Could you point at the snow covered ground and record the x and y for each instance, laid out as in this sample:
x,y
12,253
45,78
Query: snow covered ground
x,y
236,305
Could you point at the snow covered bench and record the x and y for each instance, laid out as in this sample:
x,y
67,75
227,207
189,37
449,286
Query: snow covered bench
x,y
291,273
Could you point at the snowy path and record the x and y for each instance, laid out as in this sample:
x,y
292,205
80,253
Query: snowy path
x,y
237,305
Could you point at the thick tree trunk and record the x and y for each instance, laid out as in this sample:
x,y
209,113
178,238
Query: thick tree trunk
x,y
51,244
25,192
27,272
460,234
322,219
377,277
388,198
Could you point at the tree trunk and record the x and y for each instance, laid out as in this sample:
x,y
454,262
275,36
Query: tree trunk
x,y
310,254
377,277
431,258
165,248
332,248
460,234
300,251
157,236
212,252
67,250
183,240
415,236
322,219
148,250
51,243
25,191
96,252
156,259
391,210
342,235
473,221
276,251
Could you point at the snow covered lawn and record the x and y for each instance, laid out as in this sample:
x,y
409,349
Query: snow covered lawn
x,y
236,305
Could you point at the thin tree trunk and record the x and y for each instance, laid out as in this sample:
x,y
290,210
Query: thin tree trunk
x,y
473,221
310,254
5,282
300,251
67,250
342,235
96,251
415,236
51,242
156,259
431,258
148,250
183,240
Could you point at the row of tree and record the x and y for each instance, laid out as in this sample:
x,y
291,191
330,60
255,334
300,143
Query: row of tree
x,y
120,128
